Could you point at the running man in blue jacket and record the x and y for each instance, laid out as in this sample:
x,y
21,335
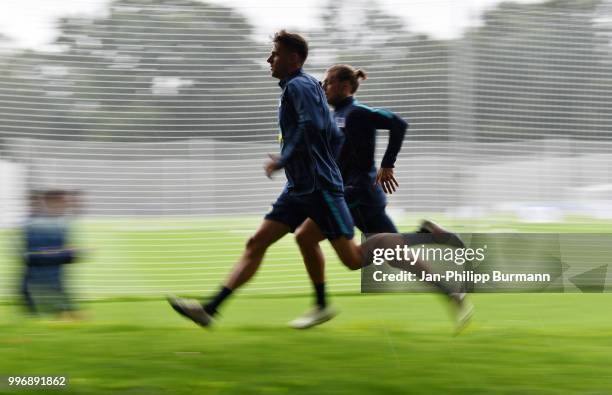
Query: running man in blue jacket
x,y
310,143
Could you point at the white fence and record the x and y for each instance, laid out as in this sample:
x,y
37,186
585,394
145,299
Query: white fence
x,y
208,177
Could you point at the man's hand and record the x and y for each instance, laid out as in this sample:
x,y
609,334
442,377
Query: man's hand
x,y
387,180
271,165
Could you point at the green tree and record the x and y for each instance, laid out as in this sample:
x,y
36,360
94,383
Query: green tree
x,y
540,71
152,69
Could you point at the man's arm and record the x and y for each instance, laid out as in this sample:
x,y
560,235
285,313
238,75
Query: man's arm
x,y
384,119
396,126
304,102
51,256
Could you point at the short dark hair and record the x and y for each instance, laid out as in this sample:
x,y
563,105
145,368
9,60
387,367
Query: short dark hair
x,y
293,42
53,194
345,72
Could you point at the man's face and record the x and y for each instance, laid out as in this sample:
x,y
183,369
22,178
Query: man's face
x,y
335,90
281,61
56,205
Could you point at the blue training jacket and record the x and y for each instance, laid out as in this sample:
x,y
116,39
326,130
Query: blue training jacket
x,y
359,123
45,241
310,139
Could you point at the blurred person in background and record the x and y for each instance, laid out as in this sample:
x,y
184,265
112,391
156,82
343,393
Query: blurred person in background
x,y
46,251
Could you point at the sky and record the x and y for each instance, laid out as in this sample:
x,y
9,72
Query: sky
x,y
30,23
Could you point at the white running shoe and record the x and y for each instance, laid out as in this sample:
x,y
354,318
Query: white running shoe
x,y
313,317
191,309
464,310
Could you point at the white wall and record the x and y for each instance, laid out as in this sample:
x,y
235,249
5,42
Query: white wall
x,y
12,194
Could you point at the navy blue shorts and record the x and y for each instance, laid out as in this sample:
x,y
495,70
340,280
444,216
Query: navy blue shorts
x,y
367,203
327,209
372,219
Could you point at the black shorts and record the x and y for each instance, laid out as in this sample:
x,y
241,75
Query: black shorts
x,y
327,209
372,219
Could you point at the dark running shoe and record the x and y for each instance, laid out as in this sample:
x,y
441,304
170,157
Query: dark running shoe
x,y
192,309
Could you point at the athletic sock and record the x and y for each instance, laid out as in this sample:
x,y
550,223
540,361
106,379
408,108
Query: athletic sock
x,y
320,291
212,306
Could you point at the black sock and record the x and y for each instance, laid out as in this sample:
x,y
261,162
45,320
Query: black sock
x,y
211,307
320,290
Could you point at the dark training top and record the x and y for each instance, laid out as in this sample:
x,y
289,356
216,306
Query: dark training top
x,y
310,139
359,123
45,241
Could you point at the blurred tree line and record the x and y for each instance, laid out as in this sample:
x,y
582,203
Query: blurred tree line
x,y
166,69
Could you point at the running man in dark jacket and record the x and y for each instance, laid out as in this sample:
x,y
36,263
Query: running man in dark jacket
x,y
310,142
364,185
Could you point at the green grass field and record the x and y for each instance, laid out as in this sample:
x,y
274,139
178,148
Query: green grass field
x,y
391,344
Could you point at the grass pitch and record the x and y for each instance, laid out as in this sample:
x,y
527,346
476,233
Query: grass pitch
x,y
392,344
379,344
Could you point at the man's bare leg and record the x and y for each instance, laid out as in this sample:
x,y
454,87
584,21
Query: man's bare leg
x,y
268,233
308,236
351,256
349,252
